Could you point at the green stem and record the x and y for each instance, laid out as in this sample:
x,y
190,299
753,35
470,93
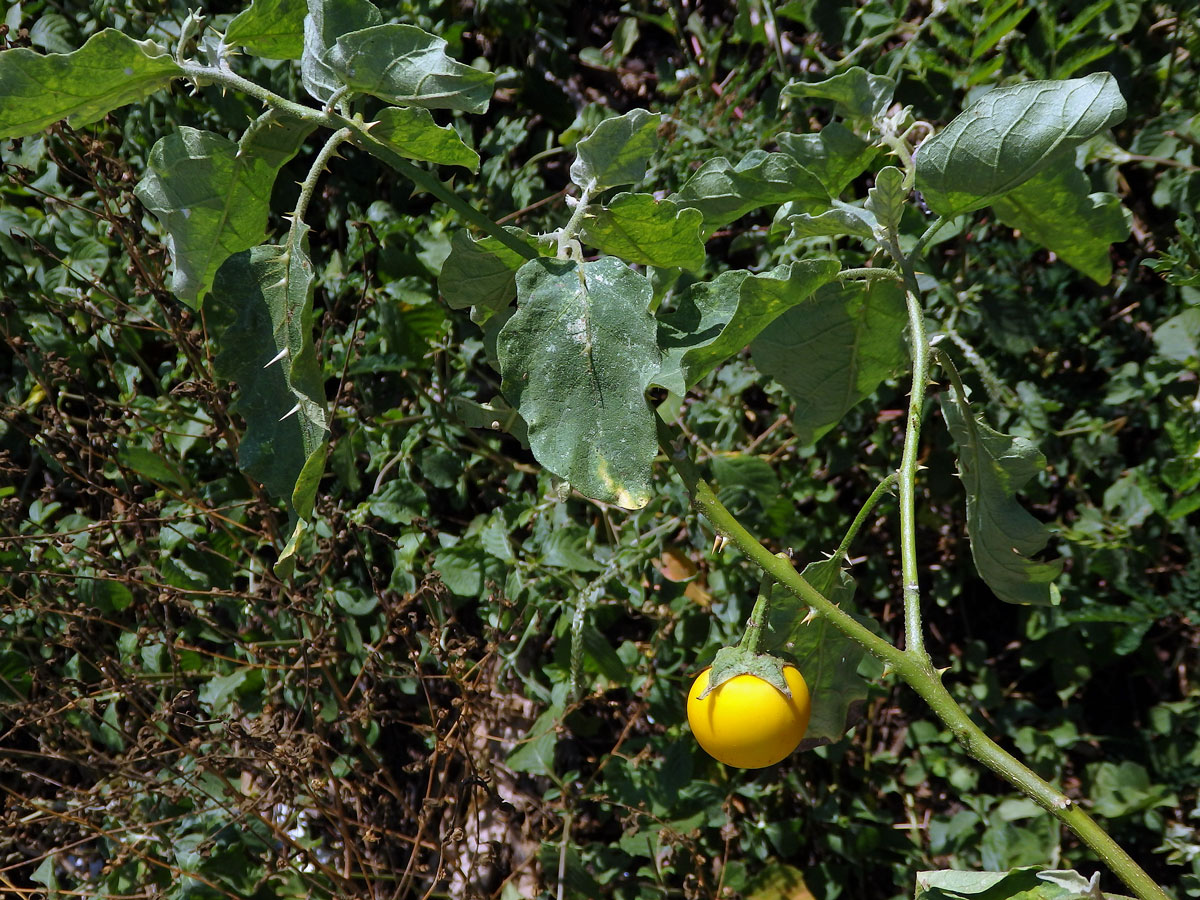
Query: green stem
x,y
870,273
876,495
309,185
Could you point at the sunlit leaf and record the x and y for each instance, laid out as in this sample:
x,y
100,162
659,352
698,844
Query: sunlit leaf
x,y
649,232
270,28
481,273
328,20
724,192
856,92
615,153
887,198
411,132
842,219
835,154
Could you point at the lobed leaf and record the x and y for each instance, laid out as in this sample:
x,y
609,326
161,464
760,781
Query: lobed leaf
x,y
1009,135
1056,210
856,93
714,320
328,20
886,199
1004,537
270,28
835,154
842,219
404,65
616,151
411,132
213,196
108,72
724,192
576,359
482,273
648,232
833,351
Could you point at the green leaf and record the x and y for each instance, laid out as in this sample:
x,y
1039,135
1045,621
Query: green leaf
x,y
150,465
1054,209
328,20
615,153
833,351
1023,883
887,198
826,658
714,320
107,72
649,232
724,192
835,155
1004,537
841,219
270,28
856,93
481,273
1009,135
411,132
576,359
261,313
1178,338
213,196
404,65
535,754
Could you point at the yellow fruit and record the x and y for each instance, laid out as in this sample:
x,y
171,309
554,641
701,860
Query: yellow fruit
x,y
748,723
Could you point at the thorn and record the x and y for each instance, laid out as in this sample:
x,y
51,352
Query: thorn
x,y
295,409
367,126
809,616
277,357
719,544
942,671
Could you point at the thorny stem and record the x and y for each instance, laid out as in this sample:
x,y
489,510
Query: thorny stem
x,y
876,495
309,185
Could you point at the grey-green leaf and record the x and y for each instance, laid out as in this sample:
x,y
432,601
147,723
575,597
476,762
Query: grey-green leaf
x,y
887,197
1004,537
1056,209
856,93
261,311
1010,134
714,320
833,351
412,133
576,359
404,65
615,153
107,72
482,273
826,658
649,232
724,192
842,219
835,154
213,196
270,28
328,20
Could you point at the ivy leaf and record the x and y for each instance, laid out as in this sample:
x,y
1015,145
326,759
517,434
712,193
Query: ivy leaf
x,y
1055,209
615,153
649,232
1009,135
270,28
887,198
328,20
1004,537
482,273
213,196
842,219
403,64
856,93
835,154
411,132
724,192
575,361
826,658
714,320
108,72
261,311
833,351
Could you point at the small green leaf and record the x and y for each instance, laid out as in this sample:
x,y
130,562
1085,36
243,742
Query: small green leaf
x,y
887,198
615,153
411,132
328,20
270,28
856,93
1055,209
481,273
576,359
213,196
842,219
714,320
826,658
1178,338
535,754
150,465
649,232
833,351
1004,537
404,65
724,192
109,71
1009,135
835,154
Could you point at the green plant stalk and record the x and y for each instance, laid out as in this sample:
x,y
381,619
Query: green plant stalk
x,y
917,671
859,520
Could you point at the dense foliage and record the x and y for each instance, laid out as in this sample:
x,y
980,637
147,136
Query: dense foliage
x,y
457,677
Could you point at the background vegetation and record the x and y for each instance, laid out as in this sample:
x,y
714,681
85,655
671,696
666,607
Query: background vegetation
x,y
399,719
